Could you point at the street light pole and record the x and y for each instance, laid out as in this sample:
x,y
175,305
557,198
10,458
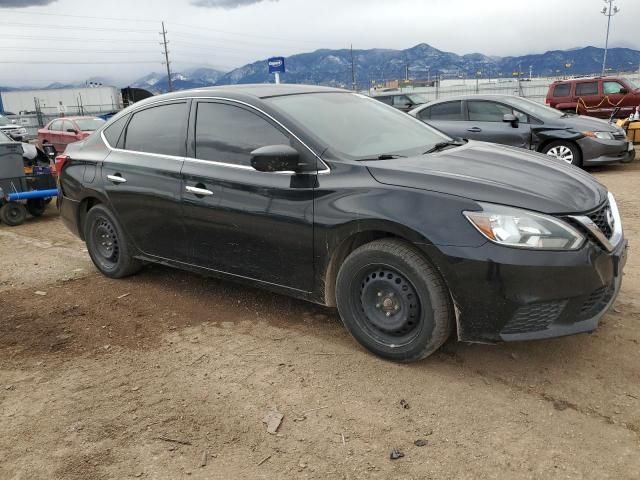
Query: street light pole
x,y
609,12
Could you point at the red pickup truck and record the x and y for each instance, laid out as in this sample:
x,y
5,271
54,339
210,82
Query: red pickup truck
x,y
596,97
63,131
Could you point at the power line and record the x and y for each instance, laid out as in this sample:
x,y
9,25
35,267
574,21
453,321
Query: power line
x,y
49,62
79,27
166,56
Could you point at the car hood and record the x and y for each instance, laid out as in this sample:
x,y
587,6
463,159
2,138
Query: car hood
x,y
582,123
496,174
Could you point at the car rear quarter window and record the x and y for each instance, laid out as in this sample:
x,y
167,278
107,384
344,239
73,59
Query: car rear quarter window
x,y
228,134
587,88
113,132
445,111
562,90
160,130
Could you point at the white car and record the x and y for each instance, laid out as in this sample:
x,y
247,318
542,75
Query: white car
x,y
10,128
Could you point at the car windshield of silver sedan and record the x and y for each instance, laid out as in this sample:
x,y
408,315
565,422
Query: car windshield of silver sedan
x,y
356,127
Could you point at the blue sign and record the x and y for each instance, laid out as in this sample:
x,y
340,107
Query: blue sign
x,y
276,64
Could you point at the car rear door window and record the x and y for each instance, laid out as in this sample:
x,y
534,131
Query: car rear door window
x,y
562,90
611,88
445,111
113,132
487,111
160,130
587,88
228,134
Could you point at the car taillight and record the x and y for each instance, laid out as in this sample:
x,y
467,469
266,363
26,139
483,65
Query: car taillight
x,y
59,163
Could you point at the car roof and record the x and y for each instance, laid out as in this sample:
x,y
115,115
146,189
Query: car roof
x,y
77,117
587,79
246,92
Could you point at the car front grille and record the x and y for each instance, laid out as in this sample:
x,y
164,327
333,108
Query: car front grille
x,y
599,217
596,302
534,317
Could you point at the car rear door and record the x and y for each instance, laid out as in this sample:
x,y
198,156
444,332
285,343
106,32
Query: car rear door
x,y
51,134
141,177
238,220
485,123
447,117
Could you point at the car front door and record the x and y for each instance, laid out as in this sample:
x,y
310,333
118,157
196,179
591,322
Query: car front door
x,y
141,177
612,91
67,135
447,117
486,123
238,220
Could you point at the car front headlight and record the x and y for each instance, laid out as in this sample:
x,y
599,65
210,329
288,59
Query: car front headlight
x,y
22,131
600,135
514,227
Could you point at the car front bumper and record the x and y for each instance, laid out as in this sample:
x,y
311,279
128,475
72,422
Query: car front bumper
x,y
510,294
597,151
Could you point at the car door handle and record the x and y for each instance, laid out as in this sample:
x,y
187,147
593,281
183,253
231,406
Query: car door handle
x,y
199,191
474,129
117,178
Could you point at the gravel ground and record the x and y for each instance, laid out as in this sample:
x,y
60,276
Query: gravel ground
x,y
169,375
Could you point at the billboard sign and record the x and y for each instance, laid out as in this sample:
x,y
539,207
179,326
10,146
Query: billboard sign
x,y
276,64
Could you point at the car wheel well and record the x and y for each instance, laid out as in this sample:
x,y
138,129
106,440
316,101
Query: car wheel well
x,y
85,205
341,252
542,146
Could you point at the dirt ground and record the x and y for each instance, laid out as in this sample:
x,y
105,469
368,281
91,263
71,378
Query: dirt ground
x,y
168,375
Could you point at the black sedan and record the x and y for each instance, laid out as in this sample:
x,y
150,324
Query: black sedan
x,y
519,122
336,198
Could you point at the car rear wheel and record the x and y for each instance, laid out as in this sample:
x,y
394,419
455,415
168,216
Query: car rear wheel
x,y
13,214
565,151
107,245
393,301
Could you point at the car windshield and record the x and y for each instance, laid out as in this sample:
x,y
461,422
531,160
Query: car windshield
x,y
357,127
4,121
89,124
534,108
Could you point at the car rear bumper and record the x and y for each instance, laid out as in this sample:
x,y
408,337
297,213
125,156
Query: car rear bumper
x,y
599,152
510,294
69,212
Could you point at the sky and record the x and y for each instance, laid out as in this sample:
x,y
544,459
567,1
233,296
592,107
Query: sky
x,y
45,41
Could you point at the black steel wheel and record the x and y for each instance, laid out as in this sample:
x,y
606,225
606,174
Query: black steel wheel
x,y
393,301
107,244
13,213
36,206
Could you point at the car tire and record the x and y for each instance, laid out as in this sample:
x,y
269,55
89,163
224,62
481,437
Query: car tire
x,y
13,214
565,151
36,206
393,301
107,244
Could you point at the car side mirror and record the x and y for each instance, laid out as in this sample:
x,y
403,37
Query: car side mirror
x,y
275,158
510,118
623,91
72,130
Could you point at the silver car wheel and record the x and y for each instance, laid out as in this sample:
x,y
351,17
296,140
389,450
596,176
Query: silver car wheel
x,y
562,152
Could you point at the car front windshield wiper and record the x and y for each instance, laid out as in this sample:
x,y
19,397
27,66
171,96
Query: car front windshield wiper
x,y
384,156
442,145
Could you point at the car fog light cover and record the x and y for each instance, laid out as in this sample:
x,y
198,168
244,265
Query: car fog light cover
x,y
514,227
600,135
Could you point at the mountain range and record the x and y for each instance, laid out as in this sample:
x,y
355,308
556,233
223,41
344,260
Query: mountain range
x,y
333,67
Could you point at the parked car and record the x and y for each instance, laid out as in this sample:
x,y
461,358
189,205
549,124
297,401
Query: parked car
x,y
595,97
335,198
63,131
519,122
401,101
15,131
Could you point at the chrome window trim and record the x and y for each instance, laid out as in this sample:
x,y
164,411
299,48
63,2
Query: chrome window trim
x,y
325,170
616,237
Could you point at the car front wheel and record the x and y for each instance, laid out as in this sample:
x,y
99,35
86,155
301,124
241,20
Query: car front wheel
x,y
107,244
393,301
565,151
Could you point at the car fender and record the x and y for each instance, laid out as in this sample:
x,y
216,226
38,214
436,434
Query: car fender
x,y
544,135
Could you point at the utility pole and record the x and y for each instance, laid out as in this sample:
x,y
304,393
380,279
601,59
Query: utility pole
x,y
406,72
609,12
166,56
353,71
